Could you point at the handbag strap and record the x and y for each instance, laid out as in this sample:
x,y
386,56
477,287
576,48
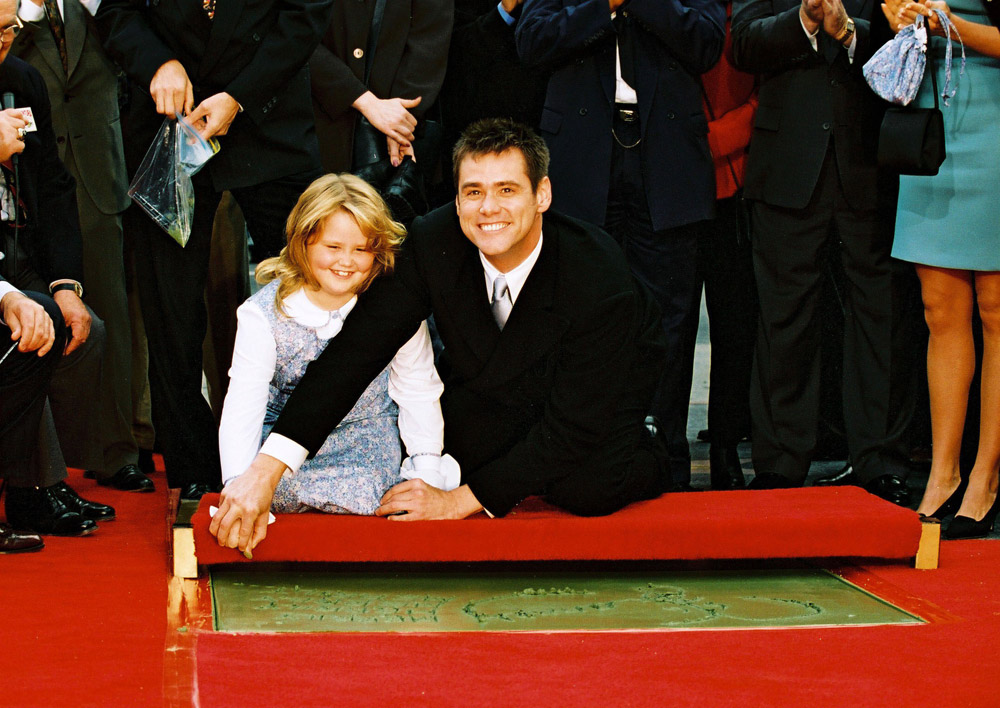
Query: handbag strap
x,y
949,90
373,34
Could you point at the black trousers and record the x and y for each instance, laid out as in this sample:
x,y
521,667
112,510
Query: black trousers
x,y
24,384
789,246
726,266
171,283
666,262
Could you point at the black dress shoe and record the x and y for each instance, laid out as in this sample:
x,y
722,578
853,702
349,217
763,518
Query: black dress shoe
x,y
145,463
890,487
967,527
770,480
42,510
85,508
128,479
844,477
13,542
196,490
725,469
950,505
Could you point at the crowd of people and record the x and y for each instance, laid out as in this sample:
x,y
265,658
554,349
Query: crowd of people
x,y
483,231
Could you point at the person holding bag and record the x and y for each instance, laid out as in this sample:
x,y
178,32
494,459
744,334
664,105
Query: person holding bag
x,y
947,225
375,76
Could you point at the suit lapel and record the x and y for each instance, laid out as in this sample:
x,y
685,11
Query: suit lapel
x,y
468,305
75,22
533,327
226,15
46,43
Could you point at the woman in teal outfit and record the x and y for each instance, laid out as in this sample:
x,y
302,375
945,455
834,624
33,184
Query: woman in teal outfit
x,y
949,227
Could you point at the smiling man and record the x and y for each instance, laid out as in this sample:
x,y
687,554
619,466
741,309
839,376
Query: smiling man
x,y
551,354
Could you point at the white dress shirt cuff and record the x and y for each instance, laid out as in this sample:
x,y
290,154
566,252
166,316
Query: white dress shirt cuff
x,y
441,471
811,36
285,450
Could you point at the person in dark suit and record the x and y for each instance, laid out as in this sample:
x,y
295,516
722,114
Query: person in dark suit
x,y
245,65
546,386
40,242
624,121
410,60
80,76
813,176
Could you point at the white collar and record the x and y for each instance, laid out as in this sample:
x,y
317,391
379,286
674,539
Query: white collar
x,y
305,312
516,277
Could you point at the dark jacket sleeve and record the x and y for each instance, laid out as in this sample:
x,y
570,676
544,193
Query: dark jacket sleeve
x,y
130,41
425,58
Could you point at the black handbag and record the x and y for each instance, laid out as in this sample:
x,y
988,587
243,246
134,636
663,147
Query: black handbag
x,y
402,187
911,140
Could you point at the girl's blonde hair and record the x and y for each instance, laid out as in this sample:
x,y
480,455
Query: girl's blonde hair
x,y
319,202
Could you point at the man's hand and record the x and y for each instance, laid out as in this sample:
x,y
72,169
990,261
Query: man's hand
x,y
11,121
30,325
834,17
397,152
510,5
421,502
811,14
214,115
171,89
76,316
241,521
391,115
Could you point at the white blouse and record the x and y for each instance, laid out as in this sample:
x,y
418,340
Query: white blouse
x,y
414,385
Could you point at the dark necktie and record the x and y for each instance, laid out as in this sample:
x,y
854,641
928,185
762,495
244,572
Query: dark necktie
x,y
58,31
626,46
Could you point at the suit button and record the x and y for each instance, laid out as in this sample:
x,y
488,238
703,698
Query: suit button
x,y
670,116
358,53
583,111
60,140
255,37
826,126
154,3
672,66
834,82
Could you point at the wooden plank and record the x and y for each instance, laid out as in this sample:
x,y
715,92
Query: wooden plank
x,y
930,544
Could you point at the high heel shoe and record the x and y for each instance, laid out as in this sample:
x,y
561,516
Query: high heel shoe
x,y
966,527
950,505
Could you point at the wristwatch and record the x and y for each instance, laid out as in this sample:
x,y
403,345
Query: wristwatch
x,y
74,286
847,33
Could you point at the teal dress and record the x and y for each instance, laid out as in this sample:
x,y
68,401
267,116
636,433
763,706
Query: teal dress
x,y
952,220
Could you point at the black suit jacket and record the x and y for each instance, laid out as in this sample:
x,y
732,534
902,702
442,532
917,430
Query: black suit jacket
x,y
521,407
255,50
805,98
410,61
50,234
675,42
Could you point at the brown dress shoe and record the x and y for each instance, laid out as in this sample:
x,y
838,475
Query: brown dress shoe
x,y
13,542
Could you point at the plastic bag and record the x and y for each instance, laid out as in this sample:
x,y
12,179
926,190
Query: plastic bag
x,y
162,184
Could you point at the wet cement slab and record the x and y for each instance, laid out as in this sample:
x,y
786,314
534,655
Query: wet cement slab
x,y
323,600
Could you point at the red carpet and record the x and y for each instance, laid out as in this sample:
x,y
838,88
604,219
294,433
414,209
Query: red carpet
x,y
947,663
813,522
84,620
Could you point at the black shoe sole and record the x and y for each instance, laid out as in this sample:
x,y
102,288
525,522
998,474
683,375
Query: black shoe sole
x,y
30,549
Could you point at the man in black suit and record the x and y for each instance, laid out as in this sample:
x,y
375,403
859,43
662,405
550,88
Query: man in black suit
x,y
623,117
244,62
813,176
41,246
545,389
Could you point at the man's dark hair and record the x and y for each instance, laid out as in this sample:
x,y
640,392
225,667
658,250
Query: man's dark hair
x,y
492,136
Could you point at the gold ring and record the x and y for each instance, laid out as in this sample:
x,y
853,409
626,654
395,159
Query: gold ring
x,y
20,133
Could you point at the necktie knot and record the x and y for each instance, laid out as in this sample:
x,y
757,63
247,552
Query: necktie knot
x,y
502,303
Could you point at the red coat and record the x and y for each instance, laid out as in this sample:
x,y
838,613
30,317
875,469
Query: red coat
x,y
732,95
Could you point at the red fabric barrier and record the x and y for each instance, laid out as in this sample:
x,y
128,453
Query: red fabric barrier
x,y
785,523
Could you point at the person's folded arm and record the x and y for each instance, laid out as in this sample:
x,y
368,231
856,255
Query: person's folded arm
x,y
730,133
254,360
550,34
335,87
693,31
130,40
595,356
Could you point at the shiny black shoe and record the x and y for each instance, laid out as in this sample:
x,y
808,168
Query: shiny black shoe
x,y
42,511
129,479
13,542
770,480
844,477
196,490
950,505
967,527
890,487
725,469
85,508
